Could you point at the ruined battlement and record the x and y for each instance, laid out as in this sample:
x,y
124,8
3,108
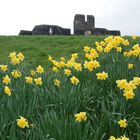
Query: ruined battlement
x,y
81,25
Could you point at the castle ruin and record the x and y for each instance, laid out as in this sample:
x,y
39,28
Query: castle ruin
x,y
81,27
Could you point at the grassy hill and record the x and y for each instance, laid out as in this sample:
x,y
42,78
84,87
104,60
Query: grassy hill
x,y
91,96
37,48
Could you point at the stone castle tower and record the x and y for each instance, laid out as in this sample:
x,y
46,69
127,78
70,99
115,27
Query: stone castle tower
x,y
81,25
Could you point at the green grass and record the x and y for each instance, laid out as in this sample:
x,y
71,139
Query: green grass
x,y
37,48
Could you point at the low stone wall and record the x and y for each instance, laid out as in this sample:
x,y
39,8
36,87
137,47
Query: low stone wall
x,y
103,31
114,32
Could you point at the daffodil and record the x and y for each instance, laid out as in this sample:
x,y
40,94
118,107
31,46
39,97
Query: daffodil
x,y
136,81
67,72
20,56
112,138
102,75
86,48
91,65
55,69
29,80
118,49
130,66
6,80
16,73
12,55
122,123
129,94
74,56
74,80
82,116
4,67
15,61
99,48
50,58
33,72
126,42
38,81
121,83
57,82
7,90
22,122
39,69
78,67
62,59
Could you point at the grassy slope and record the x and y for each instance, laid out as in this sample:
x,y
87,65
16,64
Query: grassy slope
x,y
37,48
52,109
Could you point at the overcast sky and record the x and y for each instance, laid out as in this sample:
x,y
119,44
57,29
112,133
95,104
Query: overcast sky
x,y
123,15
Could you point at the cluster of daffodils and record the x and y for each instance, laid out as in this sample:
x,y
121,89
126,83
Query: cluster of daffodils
x,y
110,43
123,124
16,73
120,138
135,51
16,58
34,78
90,53
67,66
128,87
91,65
6,82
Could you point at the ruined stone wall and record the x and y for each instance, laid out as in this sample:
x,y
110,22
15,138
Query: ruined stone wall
x,y
50,30
46,30
82,26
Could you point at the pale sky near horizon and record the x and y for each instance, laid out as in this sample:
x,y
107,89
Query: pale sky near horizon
x,y
123,15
